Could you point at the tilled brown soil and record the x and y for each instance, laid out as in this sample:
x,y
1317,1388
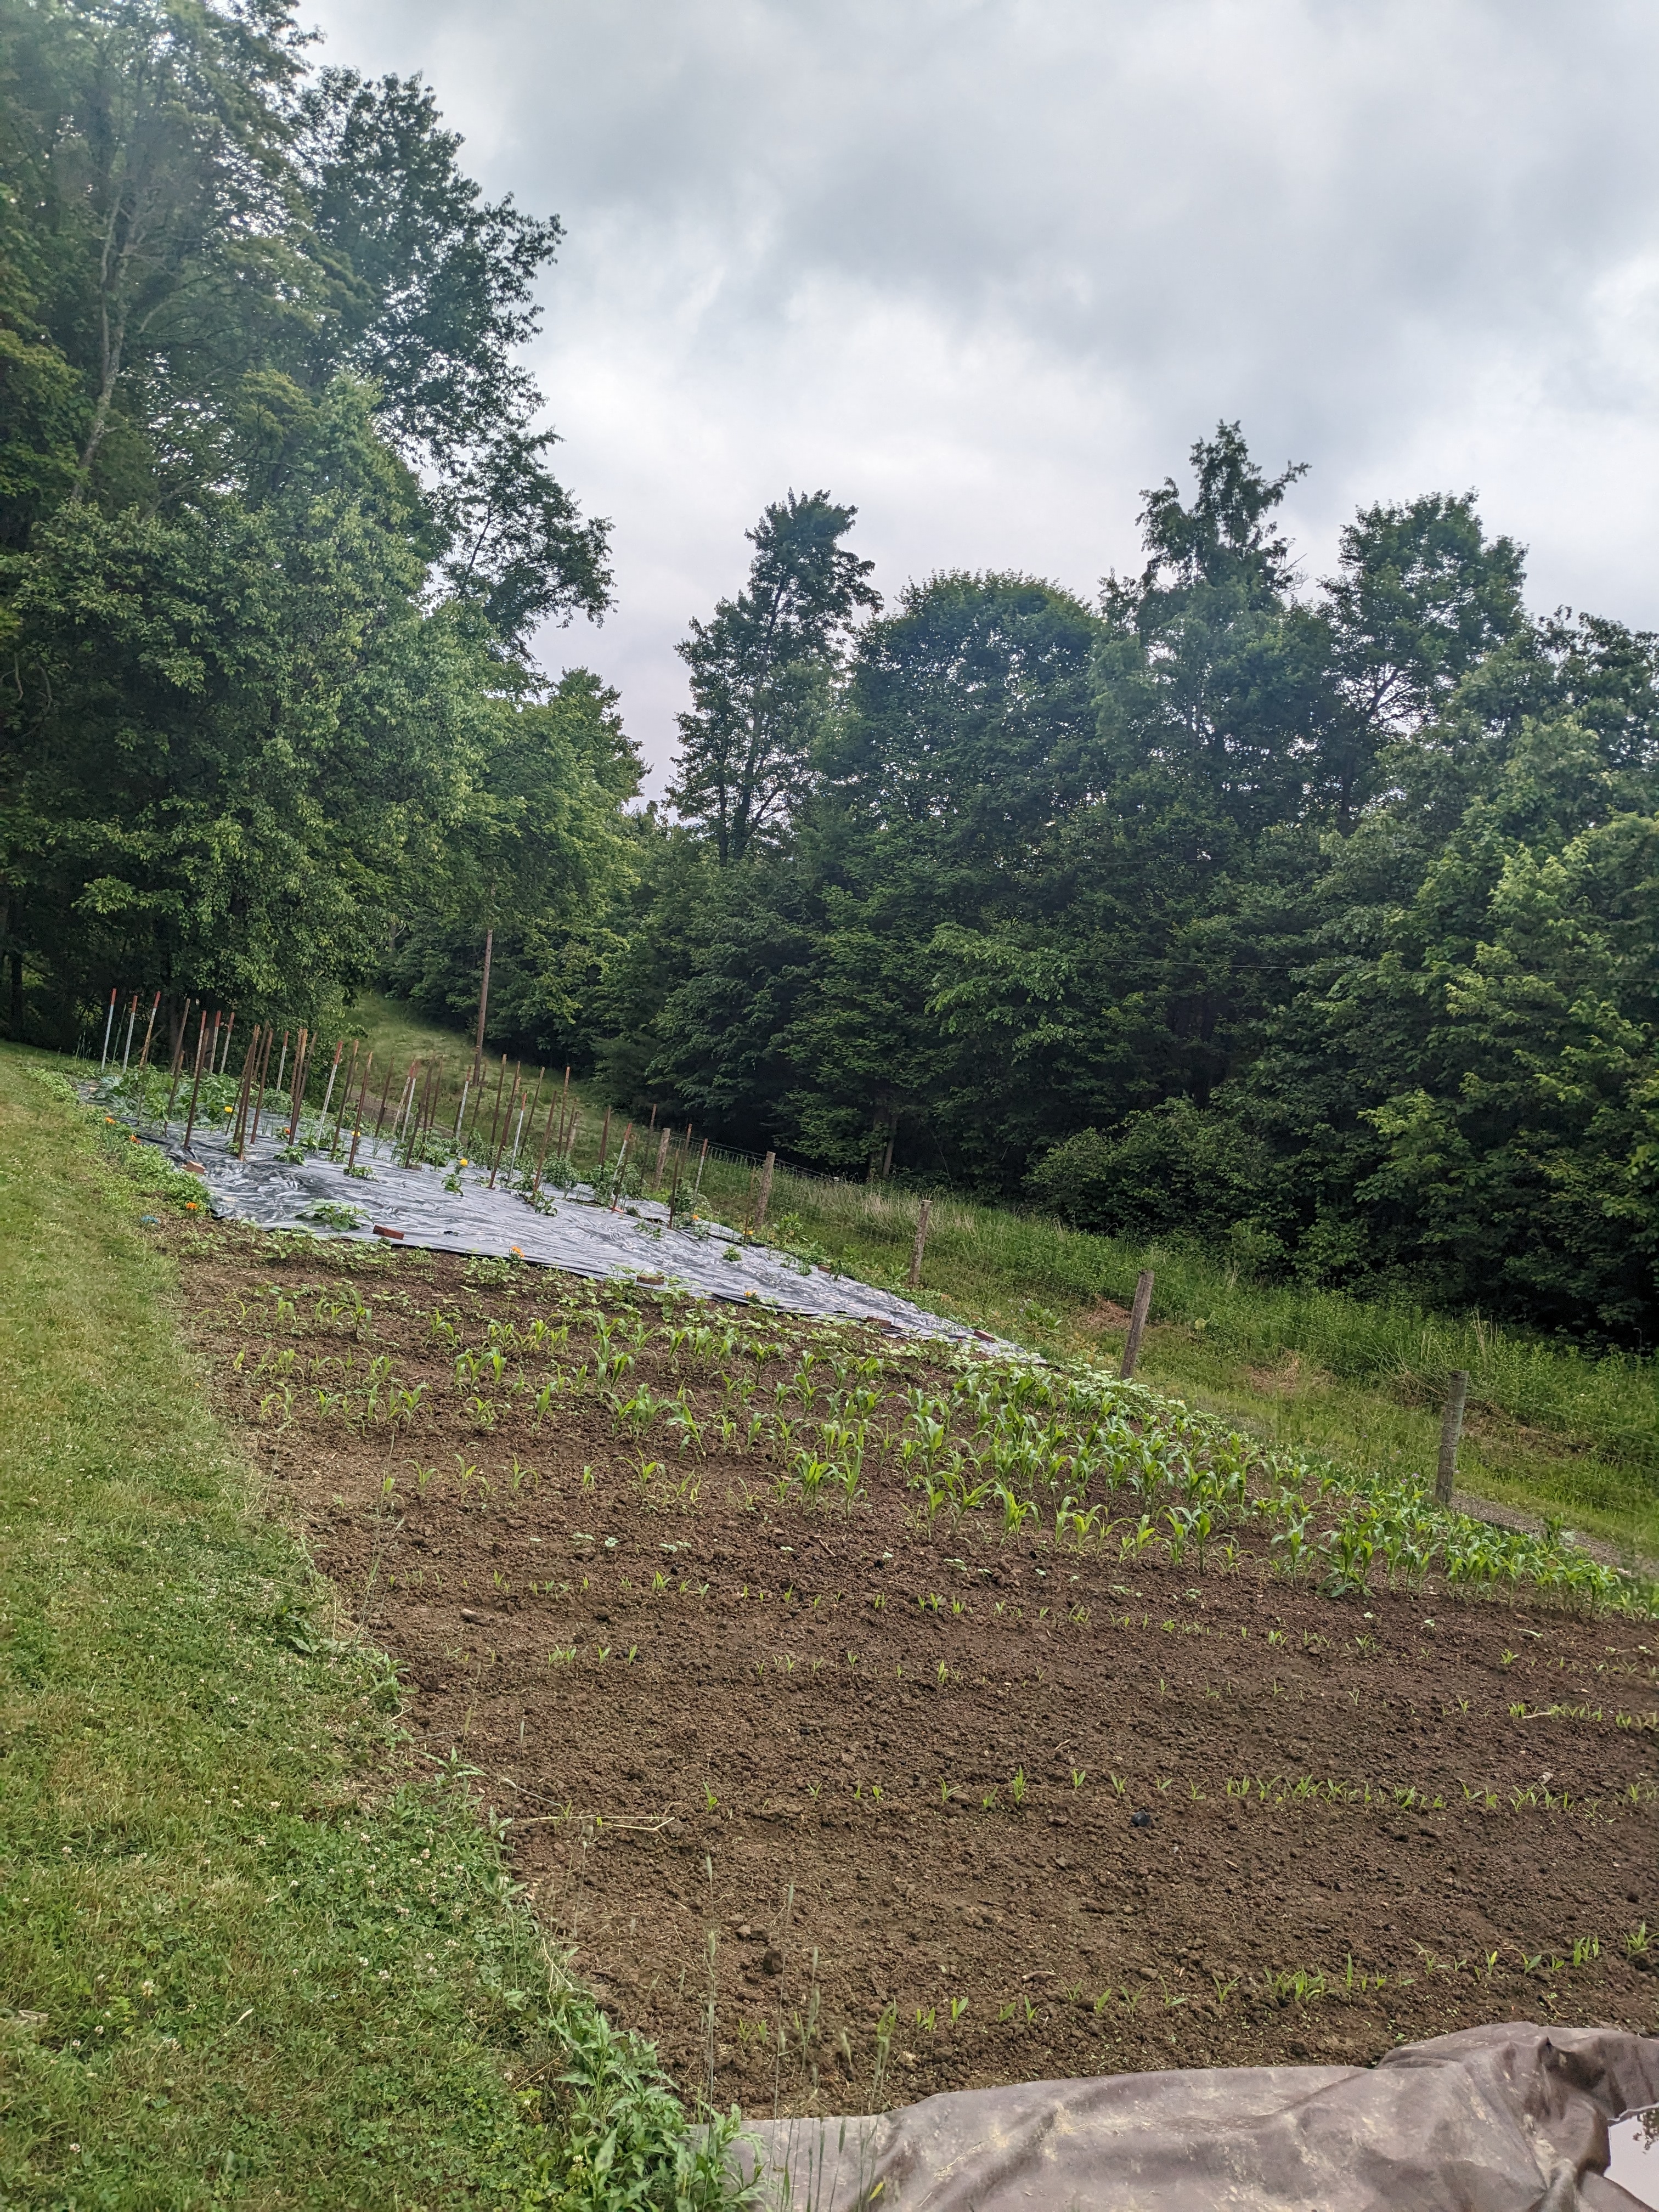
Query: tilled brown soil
x,y
841,1809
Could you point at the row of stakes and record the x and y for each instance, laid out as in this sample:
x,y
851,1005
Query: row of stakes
x,y
416,1114
216,1055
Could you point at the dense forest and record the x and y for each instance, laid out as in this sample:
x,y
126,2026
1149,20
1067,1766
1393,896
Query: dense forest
x,y
1320,925
1315,921
277,522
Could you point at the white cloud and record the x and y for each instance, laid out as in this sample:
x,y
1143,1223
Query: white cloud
x,y
987,269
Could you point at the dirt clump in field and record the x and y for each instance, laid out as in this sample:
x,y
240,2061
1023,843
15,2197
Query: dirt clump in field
x,y
1290,1377
1105,1318
849,1802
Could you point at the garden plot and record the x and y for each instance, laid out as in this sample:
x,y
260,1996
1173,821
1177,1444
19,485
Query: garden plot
x,y
464,1210
874,1719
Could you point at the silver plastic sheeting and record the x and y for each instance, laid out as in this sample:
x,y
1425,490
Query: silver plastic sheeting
x,y
629,1242
1494,2119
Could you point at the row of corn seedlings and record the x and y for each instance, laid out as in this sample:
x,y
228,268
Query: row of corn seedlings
x,y
1077,1457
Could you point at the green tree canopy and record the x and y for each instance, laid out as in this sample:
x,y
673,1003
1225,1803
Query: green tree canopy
x,y
762,668
277,522
1314,922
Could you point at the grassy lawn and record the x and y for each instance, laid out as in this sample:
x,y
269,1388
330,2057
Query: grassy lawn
x,y
249,1954
396,1030
1550,1429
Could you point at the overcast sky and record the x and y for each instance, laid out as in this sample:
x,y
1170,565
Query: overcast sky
x,y
985,269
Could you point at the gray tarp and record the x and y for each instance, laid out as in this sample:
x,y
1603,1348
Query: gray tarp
x,y
576,1234
1496,2119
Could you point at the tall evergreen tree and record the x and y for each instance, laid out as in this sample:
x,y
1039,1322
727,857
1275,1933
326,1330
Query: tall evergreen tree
x,y
762,668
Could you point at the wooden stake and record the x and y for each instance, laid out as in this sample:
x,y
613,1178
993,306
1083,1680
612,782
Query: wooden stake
x,y
357,1119
1137,1313
334,1069
765,1192
920,1244
346,1100
423,1119
405,1100
484,1006
622,1165
1451,1429
183,1041
201,1045
149,1028
281,1067
506,1124
259,1081
434,1099
250,1060
414,1114
495,1111
415,1126
564,1100
554,1106
296,1104
385,1093
244,1090
499,1151
126,1049
178,1065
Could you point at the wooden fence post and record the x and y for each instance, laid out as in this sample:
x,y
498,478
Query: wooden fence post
x,y
1138,1314
1451,1428
680,1154
920,1246
484,1009
765,1191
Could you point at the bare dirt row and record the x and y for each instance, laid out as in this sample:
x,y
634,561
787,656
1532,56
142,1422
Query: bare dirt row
x,y
844,1804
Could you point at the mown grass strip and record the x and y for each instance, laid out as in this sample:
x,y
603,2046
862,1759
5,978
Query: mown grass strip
x,y
248,1953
